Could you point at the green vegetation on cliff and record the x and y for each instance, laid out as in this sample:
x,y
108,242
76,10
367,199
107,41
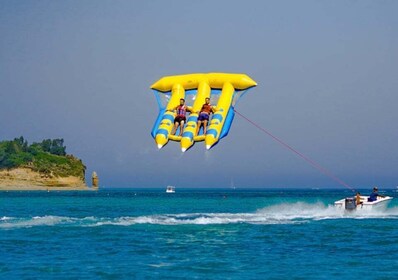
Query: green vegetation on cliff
x,y
48,157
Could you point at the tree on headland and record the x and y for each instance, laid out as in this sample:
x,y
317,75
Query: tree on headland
x,y
48,156
55,146
14,153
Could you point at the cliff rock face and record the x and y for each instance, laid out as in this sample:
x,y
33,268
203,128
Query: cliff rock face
x,y
26,179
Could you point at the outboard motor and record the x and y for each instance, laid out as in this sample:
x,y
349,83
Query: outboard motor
x,y
350,203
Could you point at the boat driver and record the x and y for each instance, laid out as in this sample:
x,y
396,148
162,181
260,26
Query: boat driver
x,y
373,196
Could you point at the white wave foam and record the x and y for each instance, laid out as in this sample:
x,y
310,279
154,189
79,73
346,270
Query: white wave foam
x,y
292,213
36,221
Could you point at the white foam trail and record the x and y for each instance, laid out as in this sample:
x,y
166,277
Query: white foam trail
x,y
191,219
288,213
320,211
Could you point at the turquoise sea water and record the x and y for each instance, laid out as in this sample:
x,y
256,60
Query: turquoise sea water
x,y
200,234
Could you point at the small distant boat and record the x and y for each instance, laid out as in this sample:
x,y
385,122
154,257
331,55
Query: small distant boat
x,y
350,203
170,189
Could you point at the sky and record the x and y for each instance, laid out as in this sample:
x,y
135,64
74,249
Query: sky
x,y
326,74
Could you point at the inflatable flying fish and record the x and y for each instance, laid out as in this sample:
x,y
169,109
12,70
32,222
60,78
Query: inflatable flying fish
x,y
223,89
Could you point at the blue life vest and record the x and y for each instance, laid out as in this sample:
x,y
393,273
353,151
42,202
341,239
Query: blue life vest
x,y
373,196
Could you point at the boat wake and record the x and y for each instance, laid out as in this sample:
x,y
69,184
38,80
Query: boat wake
x,y
287,213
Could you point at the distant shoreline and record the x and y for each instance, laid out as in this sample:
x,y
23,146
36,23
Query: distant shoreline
x,y
42,188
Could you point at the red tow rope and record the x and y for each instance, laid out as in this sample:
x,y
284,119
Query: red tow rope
x,y
307,159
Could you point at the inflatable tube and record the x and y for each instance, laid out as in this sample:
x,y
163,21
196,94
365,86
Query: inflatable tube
x,y
222,89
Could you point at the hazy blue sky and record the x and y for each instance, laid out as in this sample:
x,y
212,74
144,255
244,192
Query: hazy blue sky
x,y
326,73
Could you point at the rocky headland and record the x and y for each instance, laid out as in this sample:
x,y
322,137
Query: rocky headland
x,y
39,166
27,179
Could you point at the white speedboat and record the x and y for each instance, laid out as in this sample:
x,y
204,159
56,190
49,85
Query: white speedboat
x,y
350,203
170,189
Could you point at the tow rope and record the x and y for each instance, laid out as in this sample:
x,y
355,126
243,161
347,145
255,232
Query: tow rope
x,y
306,158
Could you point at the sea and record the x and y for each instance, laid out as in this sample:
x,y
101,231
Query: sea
x,y
195,234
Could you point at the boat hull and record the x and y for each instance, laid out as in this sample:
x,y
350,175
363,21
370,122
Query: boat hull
x,y
380,203
170,189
